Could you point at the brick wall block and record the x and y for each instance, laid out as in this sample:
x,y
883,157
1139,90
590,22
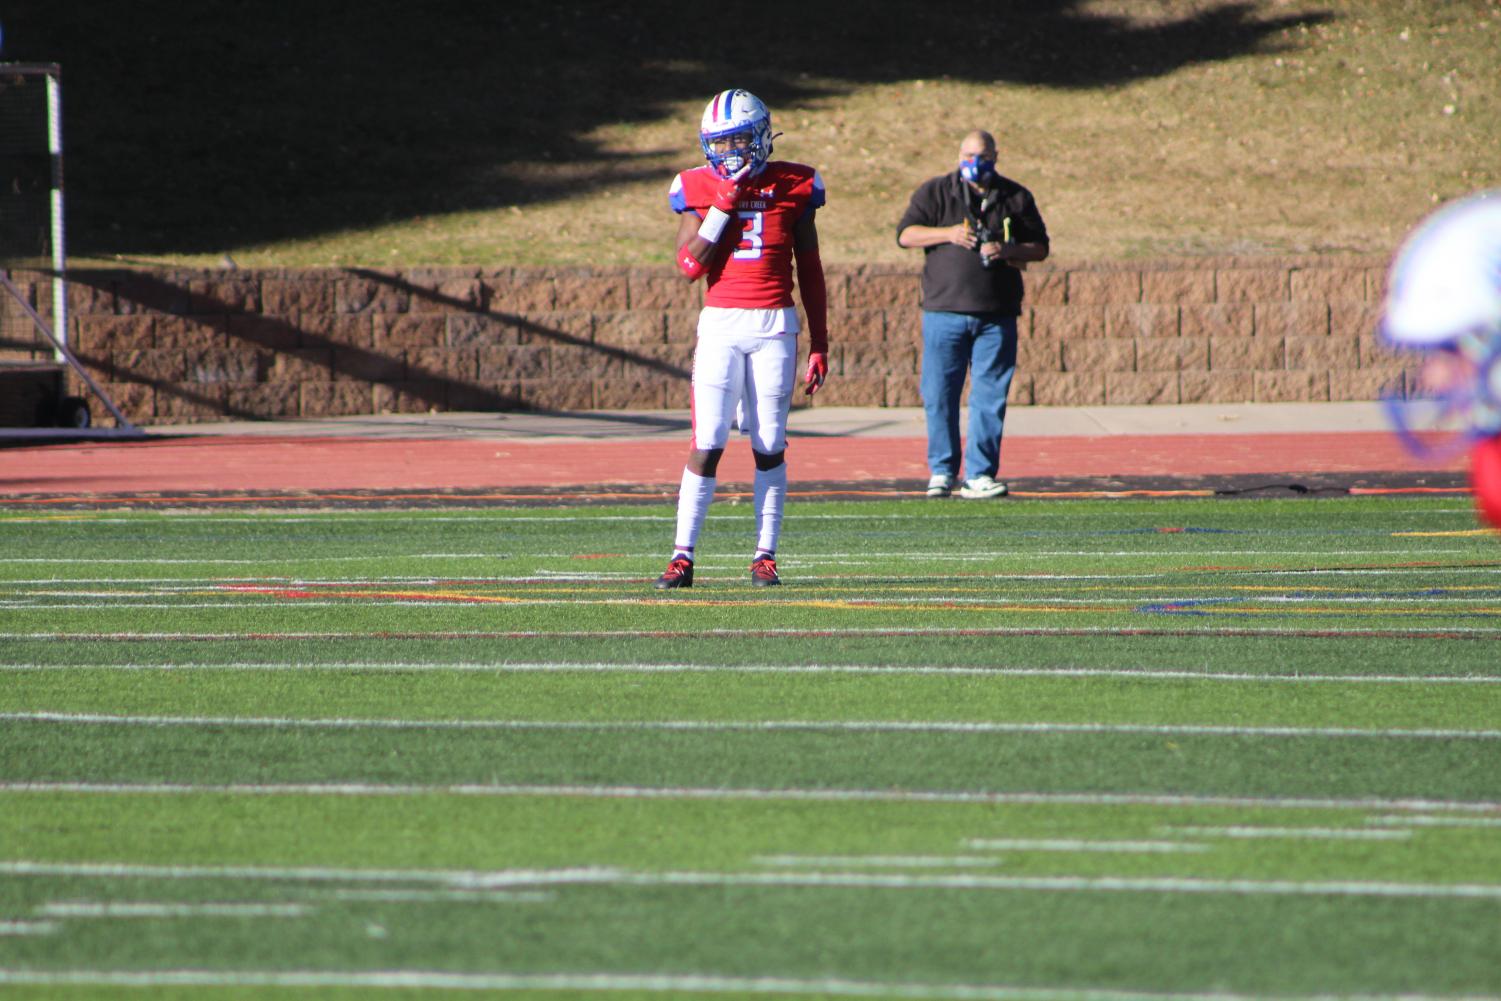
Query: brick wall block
x,y
1291,387
903,391
869,325
225,365
1045,288
661,290
1193,286
332,330
590,292
1038,355
1141,320
477,330
409,330
1068,389
571,361
1095,355
1365,383
1376,284
192,333
638,393
1216,320
445,364
304,365
522,292
372,294
224,295
865,358
556,327
1216,387
1112,287
1322,352
1354,319
1246,354
682,327
1291,319
1251,285
513,362
484,396
1021,390
335,399
409,396
263,399
271,333
1376,353
556,394
147,366
1136,388
437,294
630,327
869,291
284,297
1070,322
86,297
1172,354
151,292
356,364
98,334
137,401
1324,284
180,404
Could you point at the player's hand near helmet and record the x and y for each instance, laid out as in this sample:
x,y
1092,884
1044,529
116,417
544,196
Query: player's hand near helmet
x,y
727,195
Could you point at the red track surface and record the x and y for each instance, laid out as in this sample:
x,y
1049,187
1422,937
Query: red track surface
x,y
259,464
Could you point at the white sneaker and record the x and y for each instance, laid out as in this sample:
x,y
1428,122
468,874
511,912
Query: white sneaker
x,y
940,486
981,488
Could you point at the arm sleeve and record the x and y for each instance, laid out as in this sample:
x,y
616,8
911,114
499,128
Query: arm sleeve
x,y
815,296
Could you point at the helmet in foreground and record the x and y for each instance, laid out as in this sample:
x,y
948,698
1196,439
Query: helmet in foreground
x,y
736,131
1444,297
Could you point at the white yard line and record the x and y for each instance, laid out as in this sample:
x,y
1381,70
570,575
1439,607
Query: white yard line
x,y
1422,821
27,928
879,861
594,982
1293,833
1082,845
1164,800
141,909
604,876
875,670
750,726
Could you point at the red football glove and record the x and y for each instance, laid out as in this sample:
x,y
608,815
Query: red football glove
x,y
727,195
818,370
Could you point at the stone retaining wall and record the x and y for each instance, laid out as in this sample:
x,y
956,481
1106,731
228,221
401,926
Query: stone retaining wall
x,y
186,345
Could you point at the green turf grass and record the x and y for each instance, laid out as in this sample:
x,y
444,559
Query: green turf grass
x,y
1244,747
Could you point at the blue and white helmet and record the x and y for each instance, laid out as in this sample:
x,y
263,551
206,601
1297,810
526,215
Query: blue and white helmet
x,y
731,113
1444,298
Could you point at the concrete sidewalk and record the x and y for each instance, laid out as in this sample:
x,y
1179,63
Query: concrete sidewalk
x,y
815,422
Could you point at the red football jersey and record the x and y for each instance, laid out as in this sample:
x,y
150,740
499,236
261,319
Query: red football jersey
x,y
758,273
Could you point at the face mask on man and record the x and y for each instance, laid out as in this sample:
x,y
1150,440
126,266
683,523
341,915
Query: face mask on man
x,y
976,168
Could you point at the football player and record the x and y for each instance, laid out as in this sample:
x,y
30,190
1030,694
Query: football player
x,y
1444,298
745,222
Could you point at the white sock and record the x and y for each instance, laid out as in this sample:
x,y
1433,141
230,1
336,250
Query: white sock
x,y
771,499
693,507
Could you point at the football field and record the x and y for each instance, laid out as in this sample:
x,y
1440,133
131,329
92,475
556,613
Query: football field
x,y
1018,749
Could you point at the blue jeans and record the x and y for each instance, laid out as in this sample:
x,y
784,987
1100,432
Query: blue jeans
x,y
984,345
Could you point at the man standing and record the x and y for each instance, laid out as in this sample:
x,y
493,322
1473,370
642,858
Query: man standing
x,y
977,231
744,222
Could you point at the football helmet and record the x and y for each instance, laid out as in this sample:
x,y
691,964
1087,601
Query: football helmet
x,y
1444,297
736,131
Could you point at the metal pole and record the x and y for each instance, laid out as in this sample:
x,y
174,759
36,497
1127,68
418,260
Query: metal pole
x,y
59,251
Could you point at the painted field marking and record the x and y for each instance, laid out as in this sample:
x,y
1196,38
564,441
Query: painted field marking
x,y
747,726
1421,821
471,879
139,909
874,670
1083,845
28,928
742,794
436,896
695,984
1323,632
1297,833
879,861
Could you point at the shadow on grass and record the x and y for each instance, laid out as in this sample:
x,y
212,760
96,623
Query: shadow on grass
x,y
192,128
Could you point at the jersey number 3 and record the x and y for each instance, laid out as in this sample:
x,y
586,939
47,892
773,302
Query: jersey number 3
x,y
750,241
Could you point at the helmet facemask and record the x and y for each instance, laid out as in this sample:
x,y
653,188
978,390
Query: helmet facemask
x,y
735,133
1456,400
